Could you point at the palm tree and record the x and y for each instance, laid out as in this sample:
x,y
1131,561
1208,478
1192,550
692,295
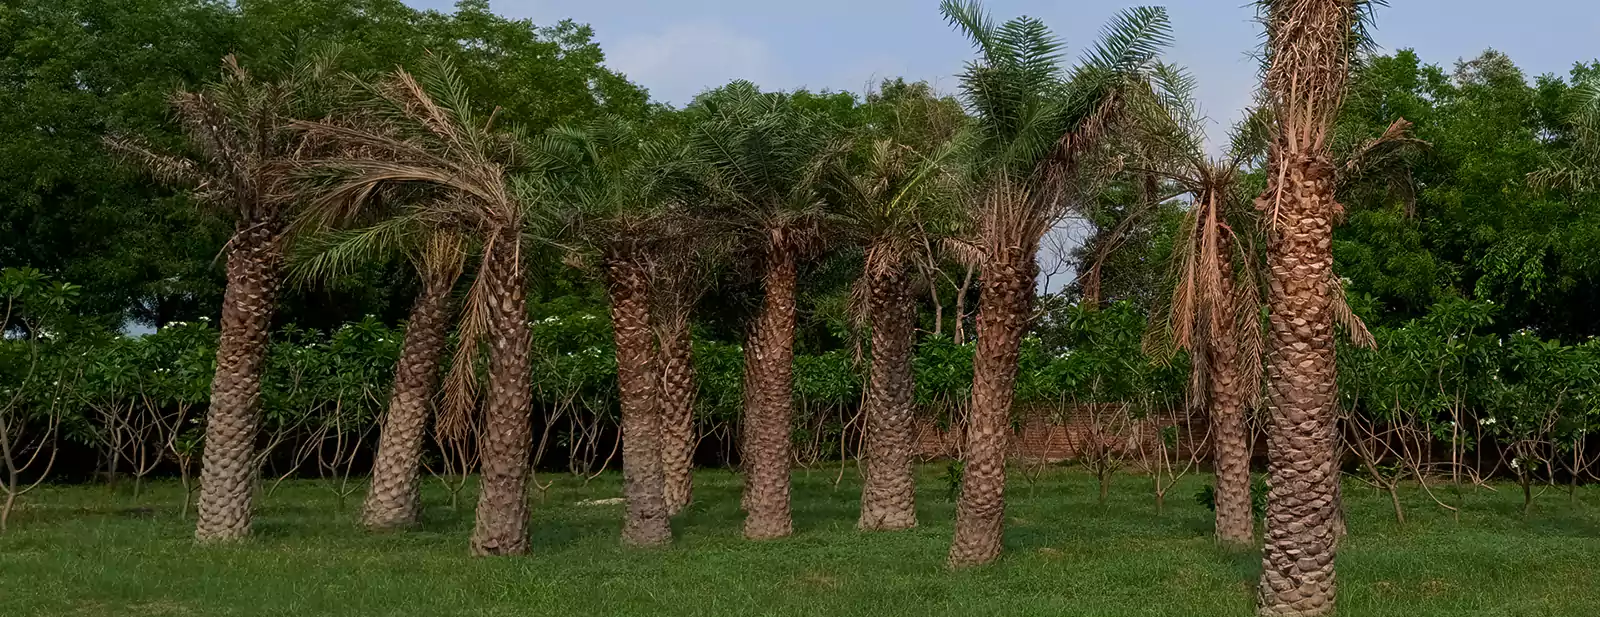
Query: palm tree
x,y
235,129
896,200
766,160
423,131
685,268
1310,46
1215,309
620,190
1035,143
439,255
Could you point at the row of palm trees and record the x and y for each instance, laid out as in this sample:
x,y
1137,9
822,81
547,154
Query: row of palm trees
x,y
345,168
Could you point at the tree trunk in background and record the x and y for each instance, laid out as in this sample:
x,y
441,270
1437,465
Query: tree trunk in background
x,y
393,500
677,408
1298,572
1006,288
767,464
1231,450
255,262
637,382
503,443
888,494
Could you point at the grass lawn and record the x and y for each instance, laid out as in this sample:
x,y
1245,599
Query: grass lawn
x,y
81,550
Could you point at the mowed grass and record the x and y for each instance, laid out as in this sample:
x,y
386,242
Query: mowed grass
x,y
82,550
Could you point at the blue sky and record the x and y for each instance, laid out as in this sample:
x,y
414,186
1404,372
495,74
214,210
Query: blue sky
x,y
677,48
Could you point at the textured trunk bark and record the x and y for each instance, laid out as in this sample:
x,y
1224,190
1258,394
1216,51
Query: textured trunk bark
x,y
393,501
1302,508
502,517
1231,454
766,498
888,495
1006,288
677,409
637,382
226,475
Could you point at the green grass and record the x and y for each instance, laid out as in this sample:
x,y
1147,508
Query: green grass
x,y
82,550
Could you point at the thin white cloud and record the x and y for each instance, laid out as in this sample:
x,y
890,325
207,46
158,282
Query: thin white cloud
x,y
683,59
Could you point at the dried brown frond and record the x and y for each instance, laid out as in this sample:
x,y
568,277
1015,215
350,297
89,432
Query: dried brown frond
x,y
1354,328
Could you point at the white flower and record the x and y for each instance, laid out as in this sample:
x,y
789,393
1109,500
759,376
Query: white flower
x,y
205,319
1515,464
1488,421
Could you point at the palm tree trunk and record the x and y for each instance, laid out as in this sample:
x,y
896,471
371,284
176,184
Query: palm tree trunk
x,y
227,470
677,408
393,500
502,517
637,381
1231,454
888,496
1302,507
1006,291
768,458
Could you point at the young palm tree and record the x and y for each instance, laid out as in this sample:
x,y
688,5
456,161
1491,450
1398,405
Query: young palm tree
x,y
620,191
439,254
1035,142
1310,46
422,131
236,130
897,199
766,160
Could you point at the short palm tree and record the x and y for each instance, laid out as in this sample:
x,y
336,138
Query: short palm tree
x,y
687,265
393,225
239,164
1309,49
766,159
896,198
619,192
1035,146
423,131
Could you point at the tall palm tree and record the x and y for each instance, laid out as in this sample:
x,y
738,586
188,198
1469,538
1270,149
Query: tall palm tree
x,y
235,127
1036,141
897,199
1215,308
439,255
1309,49
686,265
766,159
619,190
423,131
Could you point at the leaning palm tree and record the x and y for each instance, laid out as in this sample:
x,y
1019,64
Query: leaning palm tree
x,y
236,130
1309,49
897,198
423,131
765,160
619,191
383,228
1036,143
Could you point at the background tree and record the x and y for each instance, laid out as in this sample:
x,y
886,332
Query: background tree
x,y
1035,138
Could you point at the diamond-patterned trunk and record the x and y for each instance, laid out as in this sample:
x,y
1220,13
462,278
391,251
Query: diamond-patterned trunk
x,y
888,494
227,463
393,499
766,451
503,442
1006,292
677,410
1298,557
1231,451
642,483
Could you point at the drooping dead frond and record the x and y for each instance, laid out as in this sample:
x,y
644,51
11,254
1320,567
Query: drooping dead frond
x,y
1354,328
460,388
